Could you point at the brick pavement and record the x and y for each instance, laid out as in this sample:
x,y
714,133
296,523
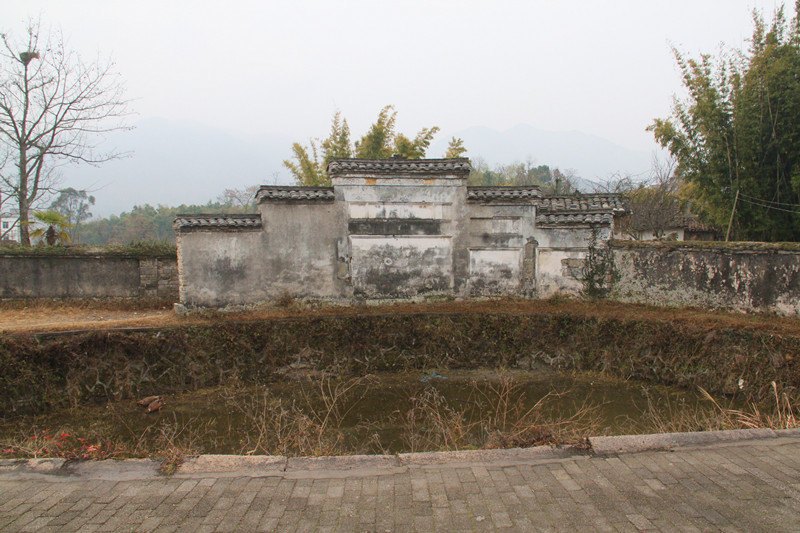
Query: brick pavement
x,y
749,485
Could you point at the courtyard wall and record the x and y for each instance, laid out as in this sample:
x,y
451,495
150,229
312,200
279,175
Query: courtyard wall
x,y
88,274
742,276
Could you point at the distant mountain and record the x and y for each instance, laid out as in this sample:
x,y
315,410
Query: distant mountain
x,y
175,163
592,157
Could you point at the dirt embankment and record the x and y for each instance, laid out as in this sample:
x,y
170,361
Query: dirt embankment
x,y
162,353
43,316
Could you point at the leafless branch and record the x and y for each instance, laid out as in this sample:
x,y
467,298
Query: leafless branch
x,y
54,109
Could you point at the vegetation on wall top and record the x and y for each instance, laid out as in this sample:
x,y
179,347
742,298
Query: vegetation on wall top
x,y
136,249
733,246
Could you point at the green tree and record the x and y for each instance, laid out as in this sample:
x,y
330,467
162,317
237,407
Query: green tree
x,y
551,181
309,164
74,205
56,231
337,145
739,130
455,148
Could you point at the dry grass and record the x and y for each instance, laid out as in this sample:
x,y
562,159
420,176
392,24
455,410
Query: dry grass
x,y
59,315
432,424
497,415
309,426
507,422
320,420
167,440
782,413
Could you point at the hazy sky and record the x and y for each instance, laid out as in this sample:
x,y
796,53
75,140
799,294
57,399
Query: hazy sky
x,y
264,67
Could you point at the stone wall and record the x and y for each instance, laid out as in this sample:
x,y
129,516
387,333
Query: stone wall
x,y
289,249
738,276
76,276
390,229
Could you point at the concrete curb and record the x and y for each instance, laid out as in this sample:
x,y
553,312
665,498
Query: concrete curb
x,y
468,457
342,463
668,441
113,469
218,466
37,466
229,465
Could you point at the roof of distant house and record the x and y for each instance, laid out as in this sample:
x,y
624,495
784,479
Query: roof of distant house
x,y
582,202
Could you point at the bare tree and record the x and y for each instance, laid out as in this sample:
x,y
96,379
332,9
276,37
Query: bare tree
x,y
654,203
54,110
7,210
241,198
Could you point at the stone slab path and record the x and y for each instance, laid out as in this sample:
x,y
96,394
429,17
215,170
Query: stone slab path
x,y
723,484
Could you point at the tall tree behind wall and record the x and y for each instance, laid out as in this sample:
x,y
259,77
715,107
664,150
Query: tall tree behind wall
x,y
309,164
528,173
74,206
739,130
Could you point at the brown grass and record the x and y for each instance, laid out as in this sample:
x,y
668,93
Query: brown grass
x,y
46,316
783,412
311,426
495,416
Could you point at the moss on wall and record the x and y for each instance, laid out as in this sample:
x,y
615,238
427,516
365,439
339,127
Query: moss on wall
x,y
142,249
735,246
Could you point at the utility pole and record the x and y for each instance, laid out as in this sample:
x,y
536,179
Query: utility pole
x,y
730,222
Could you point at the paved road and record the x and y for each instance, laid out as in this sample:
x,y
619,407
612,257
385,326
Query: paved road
x,y
740,486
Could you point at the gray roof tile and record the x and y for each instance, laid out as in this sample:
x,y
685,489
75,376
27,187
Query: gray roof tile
x,y
459,166
213,222
568,218
294,194
582,202
503,193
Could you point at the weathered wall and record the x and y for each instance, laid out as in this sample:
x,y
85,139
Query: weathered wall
x,y
219,268
291,252
560,257
501,255
404,234
300,250
87,276
740,276
389,229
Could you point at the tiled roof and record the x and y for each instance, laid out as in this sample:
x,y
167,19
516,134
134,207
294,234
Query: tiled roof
x,y
582,202
693,223
459,166
503,193
565,218
183,222
296,194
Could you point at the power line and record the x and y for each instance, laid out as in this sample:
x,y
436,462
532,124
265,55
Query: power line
x,y
769,201
770,206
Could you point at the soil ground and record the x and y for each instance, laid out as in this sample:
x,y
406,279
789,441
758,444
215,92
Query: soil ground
x,y
47,316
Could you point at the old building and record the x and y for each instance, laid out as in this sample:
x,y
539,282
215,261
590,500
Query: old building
x,y
391,229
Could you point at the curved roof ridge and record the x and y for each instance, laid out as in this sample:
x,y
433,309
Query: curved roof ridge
x,y
458,166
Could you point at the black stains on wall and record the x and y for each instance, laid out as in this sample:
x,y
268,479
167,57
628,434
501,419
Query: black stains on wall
x,y
394,226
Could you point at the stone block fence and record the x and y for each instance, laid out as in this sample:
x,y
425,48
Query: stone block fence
x,y
741,276
89,273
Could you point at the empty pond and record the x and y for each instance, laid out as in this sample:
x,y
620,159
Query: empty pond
x,y
313,414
